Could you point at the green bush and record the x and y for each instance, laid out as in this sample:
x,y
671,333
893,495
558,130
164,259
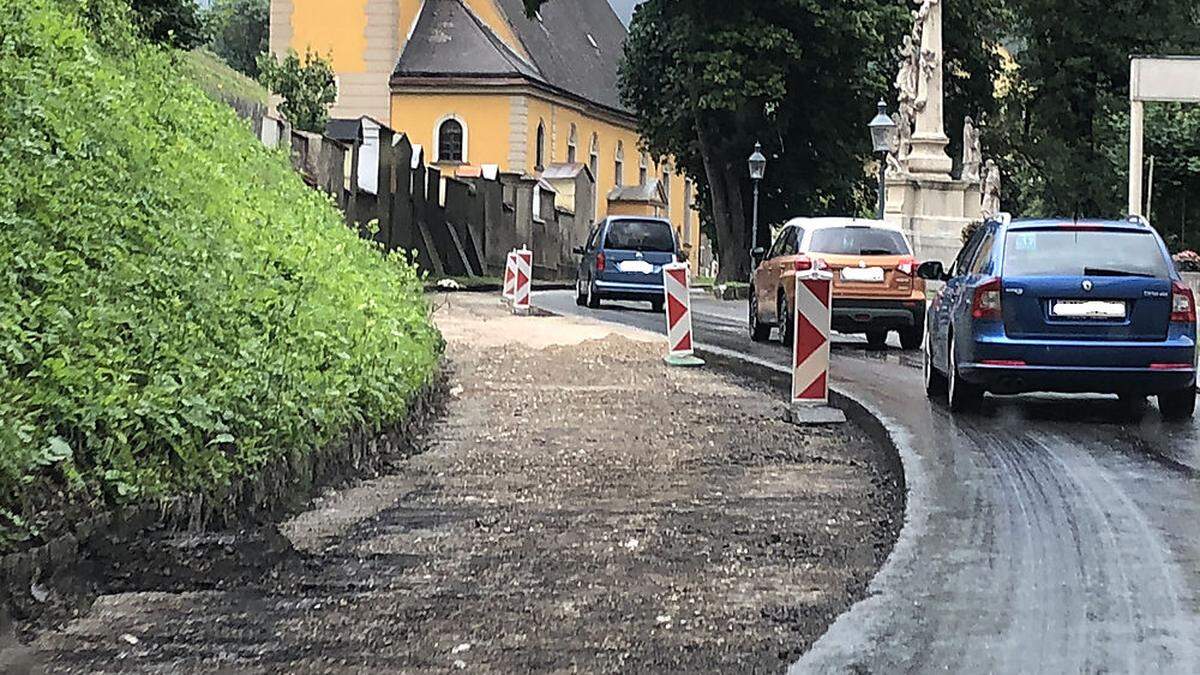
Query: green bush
x,y
176,307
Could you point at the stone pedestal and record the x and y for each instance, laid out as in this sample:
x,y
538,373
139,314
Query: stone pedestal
x,y
932,211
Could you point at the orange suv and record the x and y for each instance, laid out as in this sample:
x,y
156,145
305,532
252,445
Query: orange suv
x,y
875,283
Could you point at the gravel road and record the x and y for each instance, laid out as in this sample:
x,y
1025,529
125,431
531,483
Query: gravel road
x,y
580,507
1046,534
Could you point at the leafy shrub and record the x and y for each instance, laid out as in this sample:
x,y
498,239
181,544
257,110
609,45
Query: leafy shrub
x,y
1187,261
176,307
306,85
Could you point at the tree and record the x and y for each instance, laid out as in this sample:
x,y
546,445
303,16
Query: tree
x,y
708,78
307,87
239,31
175,23
1070,92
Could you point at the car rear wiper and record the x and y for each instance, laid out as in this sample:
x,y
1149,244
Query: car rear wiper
x,y
1101,272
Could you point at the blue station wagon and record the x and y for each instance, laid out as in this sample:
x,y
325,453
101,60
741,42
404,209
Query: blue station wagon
x,y
623,260
1062,306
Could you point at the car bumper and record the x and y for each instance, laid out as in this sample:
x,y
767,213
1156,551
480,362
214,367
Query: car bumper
x,y
1077,380
613,290
1016,366
852,315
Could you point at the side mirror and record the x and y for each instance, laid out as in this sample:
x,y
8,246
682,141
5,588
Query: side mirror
x,y
932,271
578,250
758,253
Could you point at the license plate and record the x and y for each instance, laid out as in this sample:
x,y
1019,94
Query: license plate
x,y
1088,309
871,275
636,267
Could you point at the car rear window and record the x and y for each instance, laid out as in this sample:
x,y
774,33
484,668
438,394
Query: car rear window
x,y
1077,253
640,235
858,241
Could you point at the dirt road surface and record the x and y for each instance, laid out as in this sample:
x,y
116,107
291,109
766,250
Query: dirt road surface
x,y
580,507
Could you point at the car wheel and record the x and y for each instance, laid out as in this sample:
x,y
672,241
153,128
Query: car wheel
x,y
758,331
580,294
877,339
1178,405
913,338
787,322
593,300
657,306
935,381
962,396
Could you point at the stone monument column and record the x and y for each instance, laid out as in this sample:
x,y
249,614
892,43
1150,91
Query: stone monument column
x,y
929,141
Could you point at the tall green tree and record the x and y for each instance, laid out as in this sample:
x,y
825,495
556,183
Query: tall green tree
x,y
1072,88
239,31
307,86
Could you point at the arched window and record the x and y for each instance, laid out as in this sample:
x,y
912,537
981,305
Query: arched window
x,y
619,163
572,141
541,147
451,141
643,169
594,158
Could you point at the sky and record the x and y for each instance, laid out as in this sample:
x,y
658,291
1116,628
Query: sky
x,y
624,8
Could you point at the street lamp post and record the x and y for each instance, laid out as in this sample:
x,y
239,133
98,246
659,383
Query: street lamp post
x,y
758,169
882,130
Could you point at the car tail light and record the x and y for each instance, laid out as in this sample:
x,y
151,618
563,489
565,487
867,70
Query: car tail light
x,y
1170,366
1183,304
1007,363
805,263
986,304
907,266
600,262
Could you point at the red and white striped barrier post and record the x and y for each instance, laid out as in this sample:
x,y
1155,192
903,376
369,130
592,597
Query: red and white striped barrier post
x,y
810,348
680,350
524,280
510,276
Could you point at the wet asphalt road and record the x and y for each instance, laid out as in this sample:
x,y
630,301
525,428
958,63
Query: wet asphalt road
x,y
1043,535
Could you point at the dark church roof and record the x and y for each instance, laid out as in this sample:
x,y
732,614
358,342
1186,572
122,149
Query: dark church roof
x,y
575,46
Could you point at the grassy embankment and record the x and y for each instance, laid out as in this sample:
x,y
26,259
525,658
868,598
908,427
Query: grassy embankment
x,y
176,308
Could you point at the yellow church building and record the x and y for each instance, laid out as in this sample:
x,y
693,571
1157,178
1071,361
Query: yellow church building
x,y
477,82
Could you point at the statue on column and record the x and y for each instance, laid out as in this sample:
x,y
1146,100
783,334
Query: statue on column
x,y
901,140
907,79
972,151
991,190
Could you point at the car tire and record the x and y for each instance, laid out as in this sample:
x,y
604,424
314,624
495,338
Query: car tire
x,y
759,332
1179,405
962,396
786,322
877,339
593,300
656,306
580,294
935,381
913,338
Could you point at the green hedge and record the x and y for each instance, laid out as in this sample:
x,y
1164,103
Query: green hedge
x,y
176,307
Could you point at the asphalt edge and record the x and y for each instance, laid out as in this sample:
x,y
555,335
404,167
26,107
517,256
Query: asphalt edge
x,y
857,631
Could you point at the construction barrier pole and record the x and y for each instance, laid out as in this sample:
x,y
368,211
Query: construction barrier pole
x,y
510,276
678,305
524,281
810,338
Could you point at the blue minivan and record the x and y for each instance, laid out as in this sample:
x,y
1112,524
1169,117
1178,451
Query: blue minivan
x,y
623,260
1062,306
